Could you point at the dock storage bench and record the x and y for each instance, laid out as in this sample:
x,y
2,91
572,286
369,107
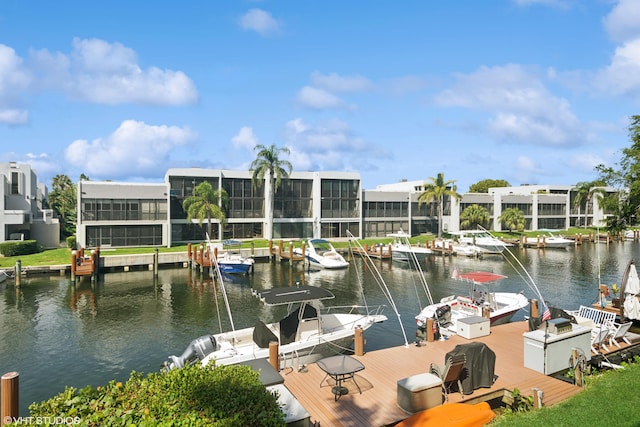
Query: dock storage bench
x,y
419,392
473,327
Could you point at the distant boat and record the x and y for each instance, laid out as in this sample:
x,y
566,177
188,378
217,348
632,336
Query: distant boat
x,y
553,241
3,278
320,253
482,239
403,250
231,261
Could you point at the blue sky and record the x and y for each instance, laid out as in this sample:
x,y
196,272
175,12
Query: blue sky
x,y
530,91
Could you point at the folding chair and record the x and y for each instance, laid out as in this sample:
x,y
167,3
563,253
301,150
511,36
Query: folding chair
x,y
450,373
599,336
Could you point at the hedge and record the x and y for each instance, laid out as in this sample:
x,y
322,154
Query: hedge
x,y
19,247
192,396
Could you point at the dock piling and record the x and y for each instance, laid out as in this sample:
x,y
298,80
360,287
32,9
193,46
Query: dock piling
x,y
10,397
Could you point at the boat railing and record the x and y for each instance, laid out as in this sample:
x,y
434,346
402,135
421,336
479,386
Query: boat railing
x,y
365,310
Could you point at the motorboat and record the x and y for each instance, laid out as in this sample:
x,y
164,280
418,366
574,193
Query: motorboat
x,y
481,239
501,306
304,330
231,261
403,250
3,278
457,248
553,241
320,253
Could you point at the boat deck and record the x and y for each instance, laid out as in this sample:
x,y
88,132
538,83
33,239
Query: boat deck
x,y
377,404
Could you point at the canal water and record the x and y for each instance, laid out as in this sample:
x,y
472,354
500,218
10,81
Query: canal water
x,y
57,334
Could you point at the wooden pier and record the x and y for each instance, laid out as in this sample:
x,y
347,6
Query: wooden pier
x,y
377,404
82,265
374,251
200,257
288,255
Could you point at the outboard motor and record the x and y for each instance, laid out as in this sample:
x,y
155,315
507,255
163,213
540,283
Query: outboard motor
x,y
197,350
443,314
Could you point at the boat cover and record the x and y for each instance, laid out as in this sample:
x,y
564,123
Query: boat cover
x,y
262,335
481,276
479,366
631,292
294,294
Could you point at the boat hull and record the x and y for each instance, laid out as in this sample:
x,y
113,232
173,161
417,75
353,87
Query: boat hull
x,y
235,268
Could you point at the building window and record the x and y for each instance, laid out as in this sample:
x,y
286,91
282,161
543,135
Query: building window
x,y
16,187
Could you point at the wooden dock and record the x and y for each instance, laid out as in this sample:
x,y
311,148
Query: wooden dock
x,y
374,251
377,405
82,265
288,255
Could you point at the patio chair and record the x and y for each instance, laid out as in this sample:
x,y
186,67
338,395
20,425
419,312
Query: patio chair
x,y
618,333
450,373
599,337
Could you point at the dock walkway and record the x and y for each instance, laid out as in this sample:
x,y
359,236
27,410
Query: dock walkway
x,y
377,405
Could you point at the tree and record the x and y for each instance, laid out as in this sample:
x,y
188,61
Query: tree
x,y
268,163
63,200
585,191
484,185
435,191
626,179
513,218
473,216
206,203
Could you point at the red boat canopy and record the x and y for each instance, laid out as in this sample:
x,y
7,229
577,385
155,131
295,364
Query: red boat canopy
x,y
481,276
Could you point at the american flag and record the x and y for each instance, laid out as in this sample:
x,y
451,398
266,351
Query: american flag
x,y
546,315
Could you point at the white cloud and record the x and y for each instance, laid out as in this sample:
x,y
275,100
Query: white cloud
x,y
259,21
134,149
341,84
14,79
245,138
406,84
586,162
108,73
330,145
622,76
623,23
318,99
521,108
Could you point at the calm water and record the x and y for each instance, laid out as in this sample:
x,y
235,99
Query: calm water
x,y
56,334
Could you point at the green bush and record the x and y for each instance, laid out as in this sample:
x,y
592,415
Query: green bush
x,y
19,247
71,242
193,396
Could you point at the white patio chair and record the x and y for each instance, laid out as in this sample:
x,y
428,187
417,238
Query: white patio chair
x,y
618,333
599,337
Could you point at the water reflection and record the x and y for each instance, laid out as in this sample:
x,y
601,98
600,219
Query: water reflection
x,y
56,334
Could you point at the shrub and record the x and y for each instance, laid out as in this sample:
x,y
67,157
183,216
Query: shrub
x,y
191,396
19,247
71,242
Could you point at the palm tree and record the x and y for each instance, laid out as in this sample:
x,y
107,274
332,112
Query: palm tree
x,y
584,194
206,203
435,191
513,218
473,216
268,163
62,199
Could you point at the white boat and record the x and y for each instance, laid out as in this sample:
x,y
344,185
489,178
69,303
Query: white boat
x,y
305,330
468,250
553,241
230,260
3,278
482,239
320,253
500,305
403,250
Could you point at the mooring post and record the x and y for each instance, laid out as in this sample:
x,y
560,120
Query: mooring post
x,y
10,397
155,262
358,341
18,273
430,334
273,355
533,310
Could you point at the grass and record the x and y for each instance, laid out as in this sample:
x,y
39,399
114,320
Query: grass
x,y
609,398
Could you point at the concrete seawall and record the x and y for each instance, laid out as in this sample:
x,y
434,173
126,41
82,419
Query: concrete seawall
x,y
128,262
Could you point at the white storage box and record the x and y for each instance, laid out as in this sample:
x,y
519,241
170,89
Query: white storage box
x,y
473,327
419,392
550,353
